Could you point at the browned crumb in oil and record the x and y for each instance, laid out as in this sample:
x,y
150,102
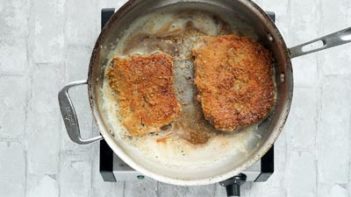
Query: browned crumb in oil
x,y
191,125
164,138
195,137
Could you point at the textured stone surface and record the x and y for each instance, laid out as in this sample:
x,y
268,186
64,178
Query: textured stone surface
x,y
301,131
44,44
333,138
13,18
43,125
78,26
42,186
12,114
13,56
333,60
75,173
145,188
46,35
332,190
180,191
12,169
306,71
301,174
338,191
177,191
77,62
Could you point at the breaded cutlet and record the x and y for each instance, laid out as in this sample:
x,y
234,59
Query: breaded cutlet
x,y
144,91
233,76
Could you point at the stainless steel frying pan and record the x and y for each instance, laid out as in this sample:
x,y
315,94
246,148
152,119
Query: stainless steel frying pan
x,y
192,171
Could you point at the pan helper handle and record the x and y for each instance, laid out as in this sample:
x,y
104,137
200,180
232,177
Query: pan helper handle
x,y
70,117
331,40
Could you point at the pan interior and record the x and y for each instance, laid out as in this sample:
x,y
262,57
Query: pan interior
x,y
143,31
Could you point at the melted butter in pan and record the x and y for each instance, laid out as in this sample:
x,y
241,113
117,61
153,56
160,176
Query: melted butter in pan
x,y
176,34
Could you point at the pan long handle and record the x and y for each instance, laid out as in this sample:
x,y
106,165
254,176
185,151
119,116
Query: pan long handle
x,y
70,117
328,41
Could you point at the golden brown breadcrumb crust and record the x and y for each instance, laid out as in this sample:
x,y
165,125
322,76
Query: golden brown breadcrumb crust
x,y
233,76
144,88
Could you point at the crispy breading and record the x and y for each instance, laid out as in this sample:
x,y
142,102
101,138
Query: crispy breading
x,y
233,76
144,90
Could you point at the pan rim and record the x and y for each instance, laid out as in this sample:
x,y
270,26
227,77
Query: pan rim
x,y
196,181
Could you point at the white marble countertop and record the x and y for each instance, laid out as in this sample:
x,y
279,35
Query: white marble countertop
x,y
45,44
